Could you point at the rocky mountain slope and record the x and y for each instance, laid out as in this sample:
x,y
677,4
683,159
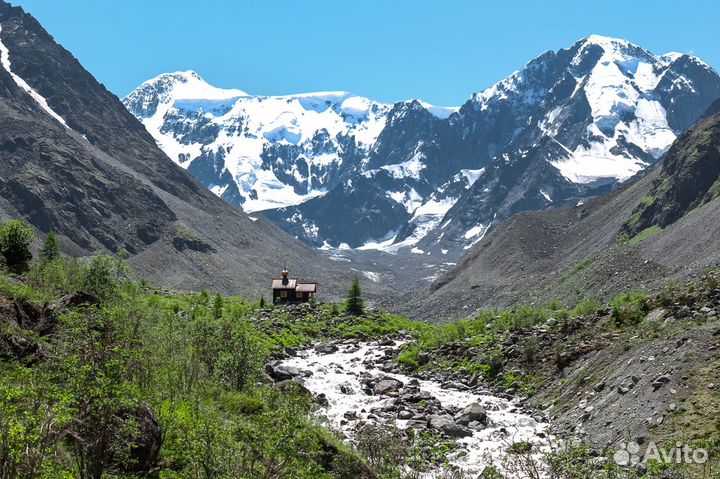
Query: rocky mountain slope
x,y
689,178
569,125
662,227
76,162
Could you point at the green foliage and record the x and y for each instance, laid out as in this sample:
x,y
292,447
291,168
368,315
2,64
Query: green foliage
x,y
262,302
196,361
103,276
644,234
50,250
494,362
629,308
529,347
575,270
15,239
409,357
585,308
355,304
217,307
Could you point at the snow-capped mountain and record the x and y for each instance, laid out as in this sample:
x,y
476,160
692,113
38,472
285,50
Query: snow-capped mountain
x,y
337,169
259,152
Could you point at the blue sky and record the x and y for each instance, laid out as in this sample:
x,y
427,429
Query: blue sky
x,y
389,50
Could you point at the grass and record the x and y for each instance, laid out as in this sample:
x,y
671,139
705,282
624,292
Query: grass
x,y
645,234
577,268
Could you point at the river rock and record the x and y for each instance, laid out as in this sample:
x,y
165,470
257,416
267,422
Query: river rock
x,y
472,412
445,424
282,372
423,359
405,415
387,385
326,348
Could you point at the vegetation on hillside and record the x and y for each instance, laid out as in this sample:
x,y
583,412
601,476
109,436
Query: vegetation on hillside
x,y
104,376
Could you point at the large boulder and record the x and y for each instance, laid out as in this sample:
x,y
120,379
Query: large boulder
x,y
445,424
472,412
137,438
387,385
281,372
326,348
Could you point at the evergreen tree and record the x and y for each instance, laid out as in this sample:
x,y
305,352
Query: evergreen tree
x,y
355,304
218,307
262,302
50,250
15,239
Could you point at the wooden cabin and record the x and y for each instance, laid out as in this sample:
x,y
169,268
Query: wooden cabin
x,y
289,290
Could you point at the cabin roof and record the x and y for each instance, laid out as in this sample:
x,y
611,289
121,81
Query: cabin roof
x,y
283,283
306,287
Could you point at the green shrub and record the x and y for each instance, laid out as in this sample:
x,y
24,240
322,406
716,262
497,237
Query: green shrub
x,y
586,307
629,308
529,347
409,357
15,239
494,361
104,275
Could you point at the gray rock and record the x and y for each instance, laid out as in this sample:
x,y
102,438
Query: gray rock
x,y
387,385
445,424
660,381
655,315
326,348
599,386
405,415
281,372
293,387
423,359
472,412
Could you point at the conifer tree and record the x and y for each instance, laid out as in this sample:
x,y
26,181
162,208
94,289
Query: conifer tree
x,y
218,306
355,303
50,250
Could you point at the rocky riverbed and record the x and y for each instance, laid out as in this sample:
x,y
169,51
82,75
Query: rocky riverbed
x,y
358,383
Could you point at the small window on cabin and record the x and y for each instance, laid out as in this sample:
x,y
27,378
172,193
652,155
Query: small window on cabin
x,y
300,295
283,294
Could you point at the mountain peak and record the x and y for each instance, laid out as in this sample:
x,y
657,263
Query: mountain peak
x,y
604,41
170,87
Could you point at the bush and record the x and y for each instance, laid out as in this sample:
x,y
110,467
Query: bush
x,y
529,347
629,308
586,308
409,358
103,276
494,362
15,239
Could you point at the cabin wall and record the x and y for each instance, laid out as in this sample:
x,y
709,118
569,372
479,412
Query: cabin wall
x,y
291,297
